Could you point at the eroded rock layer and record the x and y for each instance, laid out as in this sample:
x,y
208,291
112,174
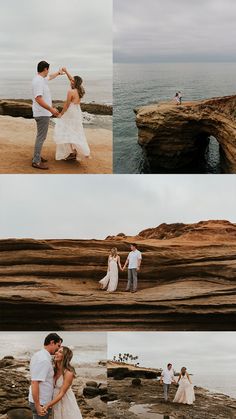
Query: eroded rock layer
x,y
187,281
175,136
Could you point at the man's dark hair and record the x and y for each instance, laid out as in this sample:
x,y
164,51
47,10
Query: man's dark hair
x,y
52,337
133,244
42,65
168,365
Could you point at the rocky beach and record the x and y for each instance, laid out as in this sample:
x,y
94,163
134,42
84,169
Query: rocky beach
x,y
186,282
137,393
18,132
90,388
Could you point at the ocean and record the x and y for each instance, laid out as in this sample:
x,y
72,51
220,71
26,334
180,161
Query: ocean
x,y
88,348
142,84
19,87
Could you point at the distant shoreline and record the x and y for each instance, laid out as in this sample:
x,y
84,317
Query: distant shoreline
x,y
23,107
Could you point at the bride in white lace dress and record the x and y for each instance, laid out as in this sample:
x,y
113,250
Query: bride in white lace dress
x,y
185,392
64,404
69,136
110,281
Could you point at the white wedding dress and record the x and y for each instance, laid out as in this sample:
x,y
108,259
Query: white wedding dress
x,y
185,392
67,407
111,279
69,134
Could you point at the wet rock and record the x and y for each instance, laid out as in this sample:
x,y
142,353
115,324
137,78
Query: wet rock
x,y
92,384
136,382
19,414
23,108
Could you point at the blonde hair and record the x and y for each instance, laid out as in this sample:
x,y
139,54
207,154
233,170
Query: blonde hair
x,y
67,357
113,252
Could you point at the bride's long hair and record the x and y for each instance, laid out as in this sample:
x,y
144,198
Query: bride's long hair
x,y
66,365
78,85
113,252
183,371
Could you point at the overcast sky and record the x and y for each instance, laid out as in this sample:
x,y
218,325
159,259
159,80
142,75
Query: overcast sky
x,y
75,33
199,352
87,346
94,206
170,30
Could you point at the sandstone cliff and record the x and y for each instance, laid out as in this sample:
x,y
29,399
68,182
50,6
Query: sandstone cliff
x,y
175,136
186,282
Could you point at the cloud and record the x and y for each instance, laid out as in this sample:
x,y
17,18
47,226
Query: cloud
x,y
211,352
156,30
92,206
76,34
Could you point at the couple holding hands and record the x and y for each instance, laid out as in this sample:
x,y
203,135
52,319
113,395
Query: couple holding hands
x,y
69,136
185,392
110,281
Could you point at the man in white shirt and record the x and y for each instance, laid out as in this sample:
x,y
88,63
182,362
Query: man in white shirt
x,y
42,376
133,261
42,110
167,378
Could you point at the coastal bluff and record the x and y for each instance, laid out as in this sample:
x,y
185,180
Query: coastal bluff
x,y
23,107
174,136
186,281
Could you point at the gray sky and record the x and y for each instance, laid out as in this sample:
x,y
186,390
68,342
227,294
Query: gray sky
x,y
87,346
94,206
212,352
75,33
170,30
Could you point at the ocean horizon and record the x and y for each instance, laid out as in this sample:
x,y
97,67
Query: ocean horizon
x,y
87,348
20,87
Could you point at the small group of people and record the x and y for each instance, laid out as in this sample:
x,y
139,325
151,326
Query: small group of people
x,y
69,136
178,98
51,380
185,393
134,259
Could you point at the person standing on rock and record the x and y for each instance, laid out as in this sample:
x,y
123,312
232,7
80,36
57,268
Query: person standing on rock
x,y
133,261
177,99
42,376
180,97
167,378
42,110
110,281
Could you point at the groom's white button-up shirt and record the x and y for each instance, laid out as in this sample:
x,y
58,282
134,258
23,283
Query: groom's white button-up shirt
x,y
40,88
167,376
134,256
41,370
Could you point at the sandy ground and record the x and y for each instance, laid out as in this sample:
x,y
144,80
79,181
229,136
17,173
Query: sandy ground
x,y
17,137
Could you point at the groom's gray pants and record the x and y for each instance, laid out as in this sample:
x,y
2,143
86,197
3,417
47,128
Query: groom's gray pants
x,y
166,388
42,130
132,280
35,414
